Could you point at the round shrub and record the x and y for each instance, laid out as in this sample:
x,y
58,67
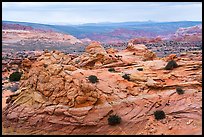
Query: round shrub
x,y
159,114
126,76
77,61
93,79
179,90
140,69
15,76
114,120
111,69
45,65
170,65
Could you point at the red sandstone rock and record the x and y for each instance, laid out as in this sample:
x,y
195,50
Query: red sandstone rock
x,y
59,96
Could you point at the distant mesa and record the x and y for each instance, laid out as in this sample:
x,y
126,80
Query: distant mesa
x,y
189,34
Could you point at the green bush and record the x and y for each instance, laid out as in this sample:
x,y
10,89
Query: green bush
x,y
93,79
111,69
45,65
159,114
114,120
15,76
77,61
126,76
140,69
179,90
171,64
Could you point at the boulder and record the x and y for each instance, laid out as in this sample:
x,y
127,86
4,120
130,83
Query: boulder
x,y
26,63
94,48
111,51
137,47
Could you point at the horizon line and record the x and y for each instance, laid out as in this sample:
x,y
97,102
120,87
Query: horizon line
x,y
64,23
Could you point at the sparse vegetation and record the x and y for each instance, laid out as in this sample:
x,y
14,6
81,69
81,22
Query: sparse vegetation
x,y
126,76
159,114
171,64
15,76
111,69
93,79
77,61
114,120
140,69
179,90
45,65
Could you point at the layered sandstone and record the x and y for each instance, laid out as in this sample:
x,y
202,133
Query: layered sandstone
x,y
56,97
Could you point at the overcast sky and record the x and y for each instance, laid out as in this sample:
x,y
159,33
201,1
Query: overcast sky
x,y
94,12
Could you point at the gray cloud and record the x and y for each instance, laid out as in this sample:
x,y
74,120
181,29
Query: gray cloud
x,y
84,12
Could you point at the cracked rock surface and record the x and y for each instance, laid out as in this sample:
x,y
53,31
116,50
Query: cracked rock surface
x,y
56,97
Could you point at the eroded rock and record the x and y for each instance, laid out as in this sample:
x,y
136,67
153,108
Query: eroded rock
x,y
56,93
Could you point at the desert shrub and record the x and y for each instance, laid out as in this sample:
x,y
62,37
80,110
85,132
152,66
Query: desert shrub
x,y
114,120
179,90
111,69
45,65
126,76
93,79
15,76
77,61
159,114
170,65
140,69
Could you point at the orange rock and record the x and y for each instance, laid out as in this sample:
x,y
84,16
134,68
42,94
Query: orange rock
x,y
111,51
26,63
137,47
66,102
81,99
94,48
149,55
69,67
170,57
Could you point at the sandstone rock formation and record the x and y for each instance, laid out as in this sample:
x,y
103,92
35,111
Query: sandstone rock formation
x,y
56,96
144,40
17,38
189,34
22,36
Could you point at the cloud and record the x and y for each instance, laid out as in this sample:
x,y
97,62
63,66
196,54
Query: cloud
x,y
86,12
